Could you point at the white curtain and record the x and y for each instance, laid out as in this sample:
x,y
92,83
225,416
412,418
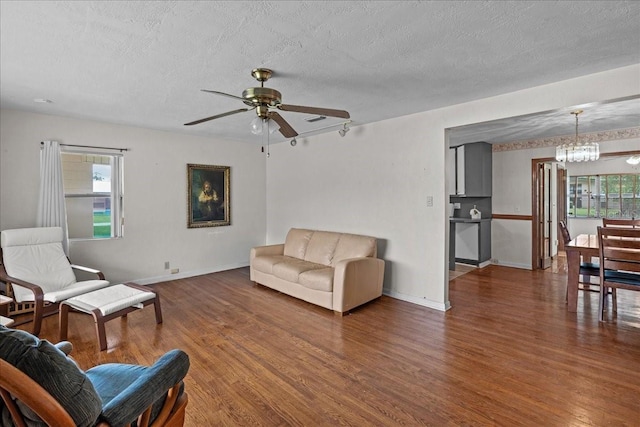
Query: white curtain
x,y
51,206
116,196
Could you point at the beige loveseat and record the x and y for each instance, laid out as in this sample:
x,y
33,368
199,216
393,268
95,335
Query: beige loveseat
x,y
338,271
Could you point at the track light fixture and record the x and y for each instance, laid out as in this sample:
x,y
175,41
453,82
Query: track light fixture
x,y
344,130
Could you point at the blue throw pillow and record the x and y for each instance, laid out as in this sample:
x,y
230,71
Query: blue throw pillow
x,y
55,372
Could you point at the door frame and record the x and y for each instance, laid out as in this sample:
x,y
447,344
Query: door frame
x,y
535,217
561,200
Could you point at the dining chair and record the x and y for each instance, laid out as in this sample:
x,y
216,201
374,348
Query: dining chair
x,y
617,222
587,269
36,271
619,261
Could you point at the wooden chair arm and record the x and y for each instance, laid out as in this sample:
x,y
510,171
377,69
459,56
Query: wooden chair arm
x,y
88,270
15,382
5,278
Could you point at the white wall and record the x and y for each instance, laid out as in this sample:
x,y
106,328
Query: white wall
x,y
376,181
368,183
155,196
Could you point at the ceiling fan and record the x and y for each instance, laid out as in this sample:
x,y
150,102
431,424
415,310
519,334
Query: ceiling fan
x,y
265,100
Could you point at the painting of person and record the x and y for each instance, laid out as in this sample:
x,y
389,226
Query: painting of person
x,y
208,195
210,203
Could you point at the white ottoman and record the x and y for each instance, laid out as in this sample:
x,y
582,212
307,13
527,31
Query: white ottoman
x,y
4,303
106,304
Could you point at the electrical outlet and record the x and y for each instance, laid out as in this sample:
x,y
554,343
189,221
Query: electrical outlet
x,y
429,201
166,265
175,270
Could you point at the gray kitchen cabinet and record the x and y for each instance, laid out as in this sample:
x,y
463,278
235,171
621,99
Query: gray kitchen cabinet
x,y
470,242
470,170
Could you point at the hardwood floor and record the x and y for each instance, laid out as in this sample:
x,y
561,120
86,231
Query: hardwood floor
x,y
460,269
508,353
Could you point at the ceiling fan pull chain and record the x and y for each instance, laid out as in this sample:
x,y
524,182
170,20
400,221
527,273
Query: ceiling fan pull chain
x,y
268,138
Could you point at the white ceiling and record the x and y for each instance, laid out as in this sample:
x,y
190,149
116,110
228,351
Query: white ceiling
x,y
595,117
143,63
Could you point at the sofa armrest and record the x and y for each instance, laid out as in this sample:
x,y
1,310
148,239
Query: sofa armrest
x,y
356,281
266,250
263,251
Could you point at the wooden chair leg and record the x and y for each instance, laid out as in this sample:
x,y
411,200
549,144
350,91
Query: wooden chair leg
x,y
38,313
100,330
614,298
603,295
63,322
157,308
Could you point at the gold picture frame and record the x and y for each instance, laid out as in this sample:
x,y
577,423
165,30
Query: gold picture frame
x,y
209,194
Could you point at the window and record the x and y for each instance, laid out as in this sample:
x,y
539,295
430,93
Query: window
x,y
93,194
604,196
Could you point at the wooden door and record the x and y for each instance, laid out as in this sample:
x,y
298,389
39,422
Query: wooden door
x,y
544,215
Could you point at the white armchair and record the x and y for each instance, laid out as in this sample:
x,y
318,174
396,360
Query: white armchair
x,y
37,271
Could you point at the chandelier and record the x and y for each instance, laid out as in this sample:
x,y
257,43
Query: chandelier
x,y
576,151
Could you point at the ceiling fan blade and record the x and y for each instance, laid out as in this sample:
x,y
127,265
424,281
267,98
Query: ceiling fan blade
x,y
285,128
223,94
217,116
314,110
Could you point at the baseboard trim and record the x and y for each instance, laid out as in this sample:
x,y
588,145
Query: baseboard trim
x,y
419,301
186,274
511,264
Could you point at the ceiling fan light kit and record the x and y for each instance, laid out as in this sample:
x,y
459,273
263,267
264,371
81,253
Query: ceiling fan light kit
x,y
264,101
576,151
258,123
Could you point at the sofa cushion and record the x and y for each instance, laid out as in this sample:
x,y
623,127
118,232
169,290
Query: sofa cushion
x,y
292,268
321,247
320,279
54,371
296,242
265,263
354,246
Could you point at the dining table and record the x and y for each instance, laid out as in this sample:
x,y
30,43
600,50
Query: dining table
x,y
584,246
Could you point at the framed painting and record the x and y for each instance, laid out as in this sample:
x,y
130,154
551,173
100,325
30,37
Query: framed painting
x,y
209,191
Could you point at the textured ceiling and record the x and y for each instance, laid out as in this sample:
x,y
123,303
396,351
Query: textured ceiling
x,y
595,117
143,63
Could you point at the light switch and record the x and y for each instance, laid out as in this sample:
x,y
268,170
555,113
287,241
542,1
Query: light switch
x,y
430,201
